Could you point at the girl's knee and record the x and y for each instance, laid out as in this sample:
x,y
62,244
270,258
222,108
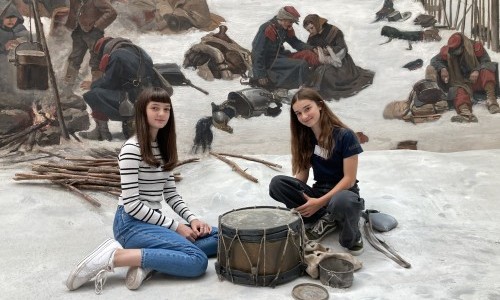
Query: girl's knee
x,y
276,181
276,185
346,200
200,264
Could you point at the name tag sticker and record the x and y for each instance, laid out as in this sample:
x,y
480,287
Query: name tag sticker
x,y
321,152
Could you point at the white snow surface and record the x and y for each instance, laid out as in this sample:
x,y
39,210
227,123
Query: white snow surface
x,y
444,195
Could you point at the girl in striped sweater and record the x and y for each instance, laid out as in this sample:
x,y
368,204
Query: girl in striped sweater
x,y
151,240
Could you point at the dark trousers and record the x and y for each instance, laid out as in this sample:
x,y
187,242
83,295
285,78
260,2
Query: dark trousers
x,y
83,42
345,206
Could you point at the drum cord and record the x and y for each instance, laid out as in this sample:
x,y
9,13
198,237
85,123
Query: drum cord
x,y
303,236
273,282
228,262
254,269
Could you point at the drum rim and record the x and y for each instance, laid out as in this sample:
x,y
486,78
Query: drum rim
x,y
245,278
273,233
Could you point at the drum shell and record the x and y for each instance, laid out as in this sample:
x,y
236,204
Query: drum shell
x,y
255,257
265,258
428,91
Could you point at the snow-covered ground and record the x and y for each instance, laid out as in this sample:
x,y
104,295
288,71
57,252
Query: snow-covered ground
x,y
445,202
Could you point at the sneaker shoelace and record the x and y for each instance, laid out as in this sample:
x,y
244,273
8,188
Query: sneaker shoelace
x,y
100,280
318,228
102,276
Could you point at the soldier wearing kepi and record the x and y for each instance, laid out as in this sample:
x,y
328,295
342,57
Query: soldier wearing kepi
x,y
87,20
464,67
128,69
275,67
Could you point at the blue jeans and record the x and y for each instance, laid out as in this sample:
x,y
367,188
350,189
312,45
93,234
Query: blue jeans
x,y
164,250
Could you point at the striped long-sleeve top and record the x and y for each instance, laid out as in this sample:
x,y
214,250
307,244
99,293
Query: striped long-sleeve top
x,y
144,187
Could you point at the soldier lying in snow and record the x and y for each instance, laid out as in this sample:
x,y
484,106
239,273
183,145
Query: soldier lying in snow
x,y
246,103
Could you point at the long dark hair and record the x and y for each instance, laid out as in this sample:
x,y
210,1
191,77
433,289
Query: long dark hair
x,y
301,135
166,137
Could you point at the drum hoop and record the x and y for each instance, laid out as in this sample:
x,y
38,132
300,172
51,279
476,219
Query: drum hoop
x,y
240,277
255,235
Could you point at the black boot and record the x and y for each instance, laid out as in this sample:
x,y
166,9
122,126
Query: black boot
x,y
100,132
128,128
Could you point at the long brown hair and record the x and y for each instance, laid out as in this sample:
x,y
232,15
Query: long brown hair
x,y
166,137
302,148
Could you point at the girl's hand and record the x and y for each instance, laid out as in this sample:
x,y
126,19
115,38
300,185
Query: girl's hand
x,y
310,207
200,228
186,232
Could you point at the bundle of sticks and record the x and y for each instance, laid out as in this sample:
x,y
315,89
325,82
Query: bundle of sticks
x,y
77,174
103,174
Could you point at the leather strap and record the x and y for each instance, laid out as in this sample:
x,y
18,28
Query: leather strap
x,y
381,245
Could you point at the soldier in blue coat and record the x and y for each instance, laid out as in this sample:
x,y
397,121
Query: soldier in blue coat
x,y
128,69
272,65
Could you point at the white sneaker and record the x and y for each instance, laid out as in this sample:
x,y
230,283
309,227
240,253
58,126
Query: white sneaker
x,y
96,264
135,277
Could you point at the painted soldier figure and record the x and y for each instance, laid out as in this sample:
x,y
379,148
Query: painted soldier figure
x,y
463,67
128,69
275,67
87,20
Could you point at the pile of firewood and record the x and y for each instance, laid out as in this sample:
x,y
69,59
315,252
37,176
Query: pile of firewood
x,y
103,174
79,174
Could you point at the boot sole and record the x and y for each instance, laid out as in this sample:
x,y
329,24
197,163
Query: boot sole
x,y
83,262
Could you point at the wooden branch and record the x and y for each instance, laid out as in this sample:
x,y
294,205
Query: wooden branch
x,y
16,145
25,176
39,29
30,143
91,160
269,164
190,160
99,164
75,137
63,166
68,178
235,167
99,188
50,153
114,193
444,13
23,133
96,175
73,174
90,199
79,181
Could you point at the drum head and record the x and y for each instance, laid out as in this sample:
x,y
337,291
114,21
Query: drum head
x,y
273,222
310,291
